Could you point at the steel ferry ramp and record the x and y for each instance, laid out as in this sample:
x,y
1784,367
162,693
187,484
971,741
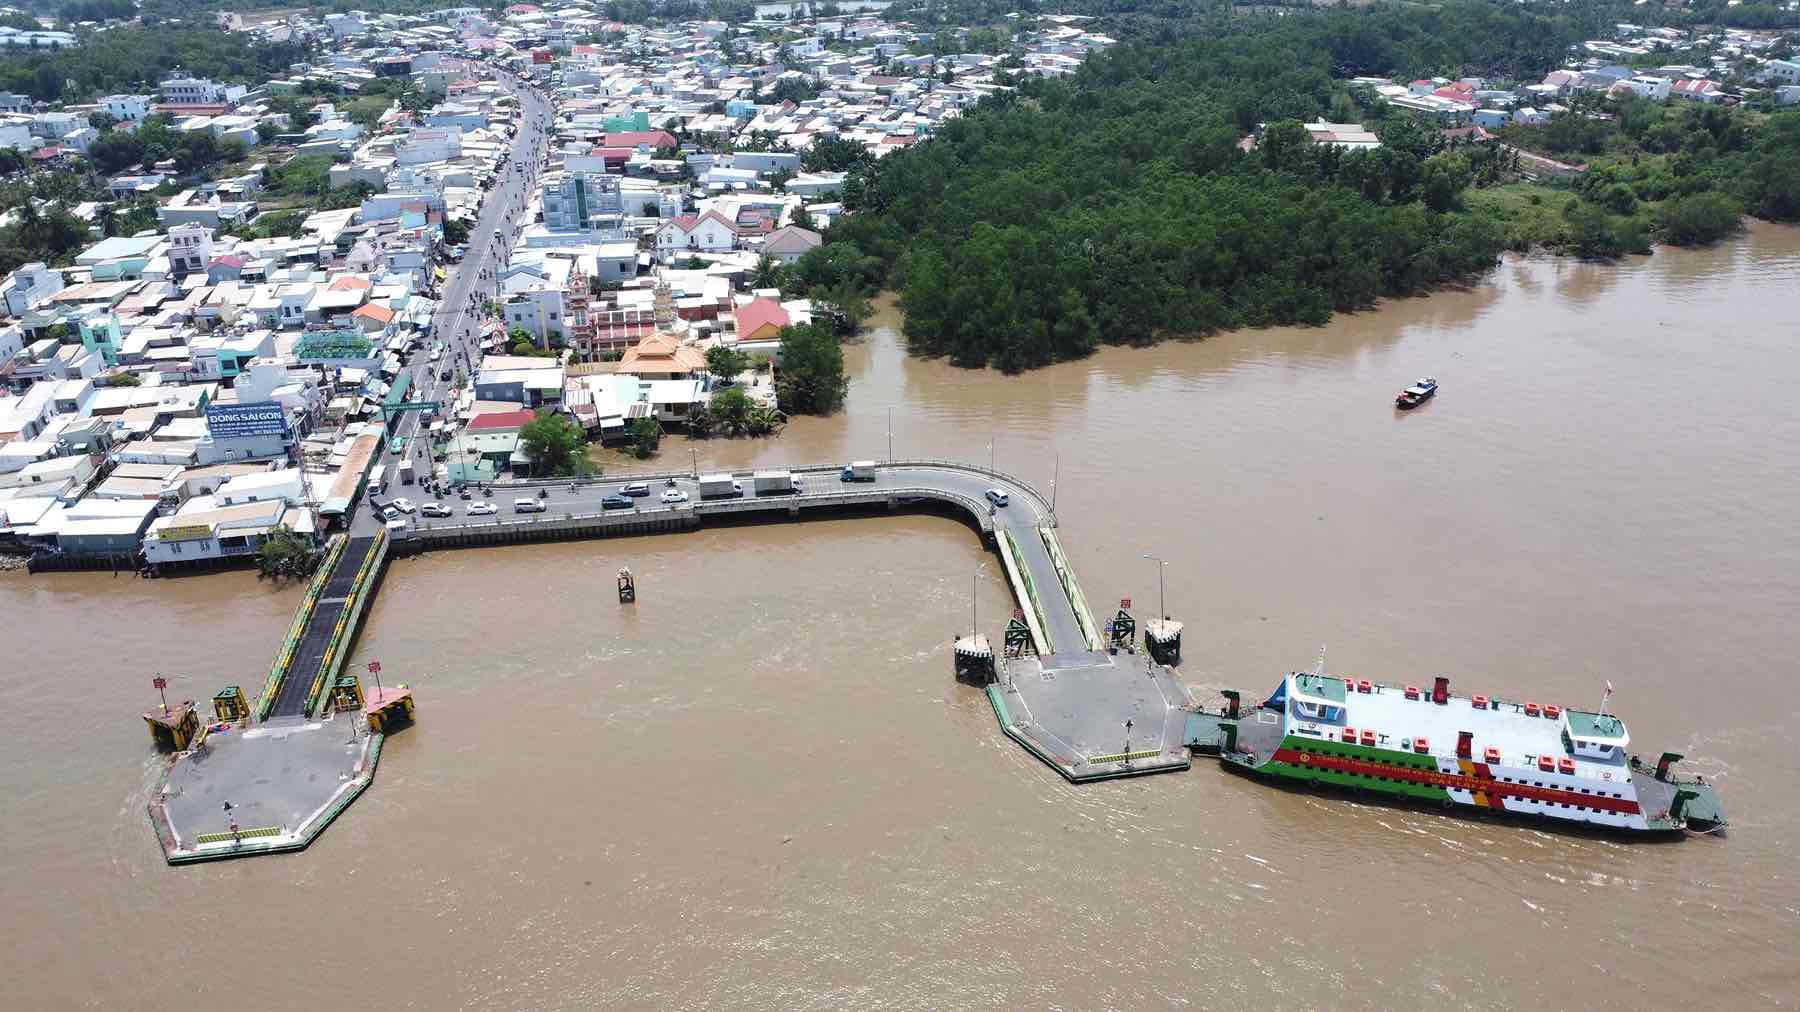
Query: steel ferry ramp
x,y
322,632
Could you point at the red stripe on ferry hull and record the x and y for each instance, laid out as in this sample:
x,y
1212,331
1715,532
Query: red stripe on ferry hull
x,y
1483,783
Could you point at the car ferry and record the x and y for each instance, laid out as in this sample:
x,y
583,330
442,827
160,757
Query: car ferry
x,y
1461,752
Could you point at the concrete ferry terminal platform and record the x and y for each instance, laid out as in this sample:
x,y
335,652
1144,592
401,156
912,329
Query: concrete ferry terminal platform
x,y
1072,712
279,783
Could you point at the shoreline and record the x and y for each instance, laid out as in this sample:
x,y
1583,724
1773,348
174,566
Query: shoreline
x,y
887,311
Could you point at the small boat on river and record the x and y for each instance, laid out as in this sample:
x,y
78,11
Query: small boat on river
x,y
1417,394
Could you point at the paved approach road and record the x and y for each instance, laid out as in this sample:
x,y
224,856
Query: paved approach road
x,y
1024,512
456,327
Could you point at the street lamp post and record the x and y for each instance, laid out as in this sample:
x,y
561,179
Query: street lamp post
x,y
1055,473
890,435
1162,608
974,587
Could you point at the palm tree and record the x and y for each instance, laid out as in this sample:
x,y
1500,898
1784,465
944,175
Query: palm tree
x,y
700,422
764,420
766,273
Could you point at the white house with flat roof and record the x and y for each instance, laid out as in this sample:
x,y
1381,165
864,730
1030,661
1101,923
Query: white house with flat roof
x,y
205,529
126,108
93,527
29,286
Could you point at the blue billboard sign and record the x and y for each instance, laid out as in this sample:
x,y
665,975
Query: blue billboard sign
x,y
232,421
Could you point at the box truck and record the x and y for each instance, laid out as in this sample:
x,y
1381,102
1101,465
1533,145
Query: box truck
x,y
719,486
774,482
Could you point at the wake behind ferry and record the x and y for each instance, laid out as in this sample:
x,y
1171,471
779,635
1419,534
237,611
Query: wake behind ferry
x,y
1460,752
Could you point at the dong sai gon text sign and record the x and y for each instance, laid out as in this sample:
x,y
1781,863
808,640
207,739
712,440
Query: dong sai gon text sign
x,y
230,421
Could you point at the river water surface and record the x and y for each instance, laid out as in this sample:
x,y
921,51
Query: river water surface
x,y
760,787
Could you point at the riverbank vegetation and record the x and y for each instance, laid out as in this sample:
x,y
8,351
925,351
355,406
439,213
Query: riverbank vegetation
x,y
1680,172
732,412
555,445
811,380
285,555
1125,203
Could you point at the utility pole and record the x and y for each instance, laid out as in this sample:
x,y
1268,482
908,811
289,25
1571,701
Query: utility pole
x,y
1162,604
890,435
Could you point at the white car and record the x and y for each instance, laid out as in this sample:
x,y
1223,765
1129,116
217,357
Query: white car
x,y
397,526
405,505
479,508
674,495
994,495
435,509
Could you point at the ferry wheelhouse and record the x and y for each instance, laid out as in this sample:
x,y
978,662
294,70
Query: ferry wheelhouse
x,y
1424,744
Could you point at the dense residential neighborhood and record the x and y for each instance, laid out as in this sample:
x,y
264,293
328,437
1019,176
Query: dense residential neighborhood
x,y
178,393
225,351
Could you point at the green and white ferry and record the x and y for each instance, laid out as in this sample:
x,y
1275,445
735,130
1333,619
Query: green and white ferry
x,y
1460,752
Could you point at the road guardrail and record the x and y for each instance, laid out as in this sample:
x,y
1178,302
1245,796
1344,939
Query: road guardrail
x,y
710,507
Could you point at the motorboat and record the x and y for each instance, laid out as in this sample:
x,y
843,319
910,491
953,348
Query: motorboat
x,y
1417,394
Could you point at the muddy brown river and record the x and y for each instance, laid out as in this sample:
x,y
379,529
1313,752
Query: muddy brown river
x,y
760,787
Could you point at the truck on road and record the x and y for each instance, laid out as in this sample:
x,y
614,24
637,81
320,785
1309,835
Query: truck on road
x,y
773,482
719,486
858,470
406,472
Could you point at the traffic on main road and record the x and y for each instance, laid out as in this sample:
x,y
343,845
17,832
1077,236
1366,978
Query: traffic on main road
x,y
456,328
